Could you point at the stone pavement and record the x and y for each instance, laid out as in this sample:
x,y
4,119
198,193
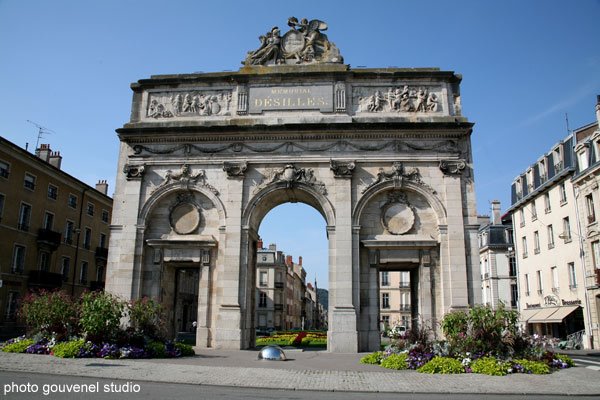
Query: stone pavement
x,y
304,370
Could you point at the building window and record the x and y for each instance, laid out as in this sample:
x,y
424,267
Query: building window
x,y
589,205
596,254
64,268
72,202
44,261
536,242
385,320
550,237
102,241
563,193
87,238
533,211
18,259
547,204
4,169
527,286
83,274
522,217
385,278
262,299
566,235
583,157
512,266
542,169
104,216
52,192
555,280
385,300
1,206
540,282
572,275
90,209
558,164
524,242
29,182
24,217
100,273
69,230
404,279
11,306
514,295
48,220
263,278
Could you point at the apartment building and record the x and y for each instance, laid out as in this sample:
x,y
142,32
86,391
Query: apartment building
x,y
54,229
395,299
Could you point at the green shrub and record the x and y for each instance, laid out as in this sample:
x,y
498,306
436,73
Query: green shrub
x,y
50,313
68,349
490,366
157,349
565,358
18,347
442,365
530,367
146,317
101,314
373,358
395,361
186,349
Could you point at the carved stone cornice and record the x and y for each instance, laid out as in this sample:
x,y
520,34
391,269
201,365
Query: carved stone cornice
x,y
291,176
452,167
134,171
235,169
342,169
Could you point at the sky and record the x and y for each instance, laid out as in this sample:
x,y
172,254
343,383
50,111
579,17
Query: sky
x,y
527,65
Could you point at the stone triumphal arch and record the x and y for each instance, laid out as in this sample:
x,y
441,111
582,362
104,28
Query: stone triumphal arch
x,y
383,154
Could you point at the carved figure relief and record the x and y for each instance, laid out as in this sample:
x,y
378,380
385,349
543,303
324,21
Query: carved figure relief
x,y
397,215
186,178
133,171
185,214
304,43
405,99
397,174
186,104
291,176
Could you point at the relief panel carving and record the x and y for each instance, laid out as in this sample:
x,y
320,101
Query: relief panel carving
x,y
401,99
195,103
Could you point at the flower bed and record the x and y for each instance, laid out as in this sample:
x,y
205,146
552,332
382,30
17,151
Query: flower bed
x,y
297,339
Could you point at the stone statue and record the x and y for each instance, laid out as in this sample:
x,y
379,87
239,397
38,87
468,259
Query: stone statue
x,y
304,43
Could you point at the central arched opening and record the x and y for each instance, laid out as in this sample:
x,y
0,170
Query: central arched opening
x,y
289,249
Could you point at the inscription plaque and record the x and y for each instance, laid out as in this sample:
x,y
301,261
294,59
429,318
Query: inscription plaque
x,y
280,98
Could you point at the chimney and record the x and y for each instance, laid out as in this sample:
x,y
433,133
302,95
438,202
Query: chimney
x,y
43,152
259,244
56,159
496,213
273,247
102,187
288,261
300,260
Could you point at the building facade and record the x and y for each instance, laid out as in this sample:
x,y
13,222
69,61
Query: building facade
x,y
54,228
546,245
586,182
395,302
497,261
383,154
271,289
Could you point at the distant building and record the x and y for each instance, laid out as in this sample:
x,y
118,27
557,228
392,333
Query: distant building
x,y
546,244
586,182
54,229
395,299
497,261
271,272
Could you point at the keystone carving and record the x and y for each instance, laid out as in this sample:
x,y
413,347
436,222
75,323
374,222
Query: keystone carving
x,y
186,178
133,171
304,43
452,167
291,176
342,169
397,174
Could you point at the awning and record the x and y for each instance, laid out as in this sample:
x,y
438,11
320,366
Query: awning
x,y
527,314
542,316
561,313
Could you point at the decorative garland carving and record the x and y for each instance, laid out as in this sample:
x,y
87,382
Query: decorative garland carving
x,y
405,99
342,169
399,146
185,178
291,176
397,174
134,171
452,167
235,169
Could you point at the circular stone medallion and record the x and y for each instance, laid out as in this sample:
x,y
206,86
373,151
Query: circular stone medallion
x,y
292,42
185,218
398,218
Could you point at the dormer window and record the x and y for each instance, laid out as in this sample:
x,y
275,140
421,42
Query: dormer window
x,y
557,158
583,156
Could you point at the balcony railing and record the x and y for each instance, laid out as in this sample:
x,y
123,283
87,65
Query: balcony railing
x,y
101,253
48,237
44,279
404,284
404,307
279,285
278,307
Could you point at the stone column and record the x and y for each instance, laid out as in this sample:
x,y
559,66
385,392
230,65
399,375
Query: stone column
x,y
342,334
203,319
228,332
425,289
